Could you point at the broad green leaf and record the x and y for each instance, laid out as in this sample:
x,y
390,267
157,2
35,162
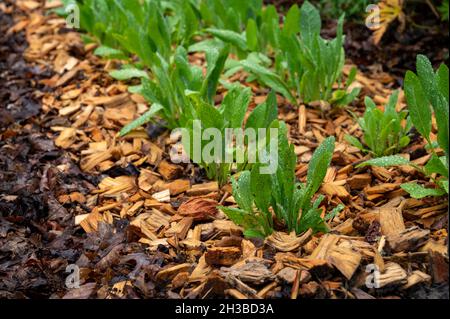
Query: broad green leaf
x,y
251,34
264,114
110,53
427,77
418,191
437,165
205,45
354,141
143,119
431,88
351,76
419,108
442,80
311,219
127,74
231,37
240,217
386,161
319,163
242,191
253,233
209,116
235,106
292,22
216,62
261,189
310,23
269,78
444,185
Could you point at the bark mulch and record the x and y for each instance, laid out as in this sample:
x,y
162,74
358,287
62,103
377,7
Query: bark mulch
x,y
139,226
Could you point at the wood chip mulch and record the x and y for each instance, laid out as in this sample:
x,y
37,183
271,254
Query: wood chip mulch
x,y
145,227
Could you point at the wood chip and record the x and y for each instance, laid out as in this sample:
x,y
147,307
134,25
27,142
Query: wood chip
x,y
391,221
223,256
408,240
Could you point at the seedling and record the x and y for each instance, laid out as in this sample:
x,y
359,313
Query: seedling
x,y
307,63
216,152
257,195
385,133
422,90
167,88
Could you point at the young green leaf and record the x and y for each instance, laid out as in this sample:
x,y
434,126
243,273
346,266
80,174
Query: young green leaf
x,y
145,118
269,78
386,161
228,36
437,165
110,53
319,163
128,74
419,108
418,191
310,23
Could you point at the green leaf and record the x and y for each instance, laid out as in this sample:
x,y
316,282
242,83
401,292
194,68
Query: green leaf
x,y
351,76
205,45
442,80
334,212
235,106
209,116
261,189
310,23
264,114
242,191
418,191
318,165
444,185
143,119
240,217
251,34
354,141
292,21
386,161
110,53
430,86
269,78
427,77
127,74
229,36
437,165
419,108
216,62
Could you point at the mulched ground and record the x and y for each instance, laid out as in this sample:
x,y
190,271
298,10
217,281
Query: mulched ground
x,y
60,159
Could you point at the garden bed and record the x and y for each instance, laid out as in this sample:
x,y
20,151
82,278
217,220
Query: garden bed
x,y
75,192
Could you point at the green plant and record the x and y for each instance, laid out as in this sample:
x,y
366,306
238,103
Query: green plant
x,y
223,120
385,133
131,26
352,9
256,194
422,90
307,63
166,88
228,14
443,9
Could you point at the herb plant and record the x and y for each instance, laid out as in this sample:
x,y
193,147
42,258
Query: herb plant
x,y
258,194
166,88
385,133
229,115
305,62
424,89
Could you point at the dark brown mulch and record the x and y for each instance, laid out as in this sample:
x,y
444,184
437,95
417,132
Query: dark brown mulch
x,y
38,238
